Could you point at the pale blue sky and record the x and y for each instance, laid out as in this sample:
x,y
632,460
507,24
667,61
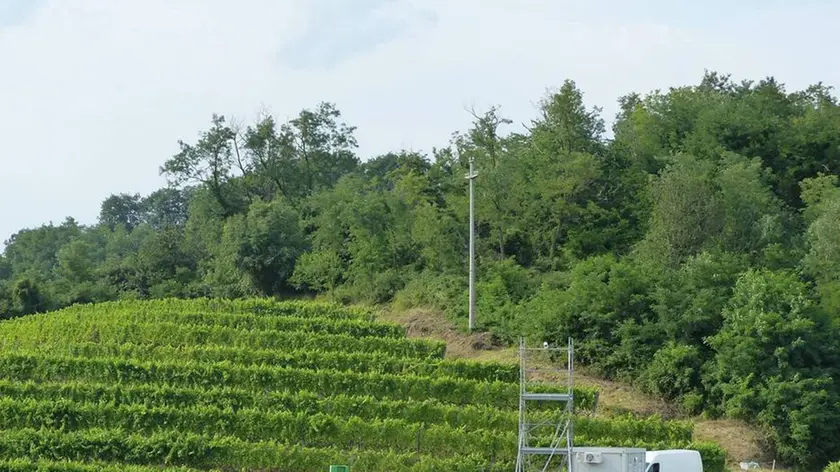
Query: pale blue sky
x,y
96,93
13,12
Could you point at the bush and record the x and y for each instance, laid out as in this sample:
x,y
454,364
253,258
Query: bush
x,y
501,290
430,290
674,371
776,358
833,467
605,299
380,287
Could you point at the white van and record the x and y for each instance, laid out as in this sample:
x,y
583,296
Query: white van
x,y
674,460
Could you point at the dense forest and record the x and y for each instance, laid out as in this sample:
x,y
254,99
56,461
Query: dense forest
x,y
694,252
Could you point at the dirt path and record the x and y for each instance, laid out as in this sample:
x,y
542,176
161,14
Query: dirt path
x,y
741,441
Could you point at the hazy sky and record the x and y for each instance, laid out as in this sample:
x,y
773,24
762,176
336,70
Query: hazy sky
x,y
94,94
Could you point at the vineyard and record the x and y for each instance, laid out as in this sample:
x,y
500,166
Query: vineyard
x,y
261,385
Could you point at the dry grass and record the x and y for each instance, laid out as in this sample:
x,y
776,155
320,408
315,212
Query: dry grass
x,y
431,325
741,441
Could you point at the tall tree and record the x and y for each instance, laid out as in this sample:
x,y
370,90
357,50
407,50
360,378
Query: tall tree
x,y
494,155
123,209
687,214
258,250
211,162
309,153
562,173
166,207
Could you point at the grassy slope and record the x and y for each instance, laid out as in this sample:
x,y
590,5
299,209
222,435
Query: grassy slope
x,y
741,441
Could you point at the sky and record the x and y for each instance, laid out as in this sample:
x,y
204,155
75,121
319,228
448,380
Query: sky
x,y
95,94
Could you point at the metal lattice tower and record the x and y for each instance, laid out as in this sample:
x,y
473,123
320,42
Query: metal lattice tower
x,y
546,434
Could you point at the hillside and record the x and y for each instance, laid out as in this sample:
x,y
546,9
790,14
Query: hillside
x,y
741,441
260,385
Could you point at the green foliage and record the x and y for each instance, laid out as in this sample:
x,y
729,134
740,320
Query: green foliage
x,y
503,286
121,210
833,467
823,258
27,297
71,384
603,298
29,465
209,162
753,215
206,451
673,372
443,292
319,271
690,300
687,215
258,250
775,360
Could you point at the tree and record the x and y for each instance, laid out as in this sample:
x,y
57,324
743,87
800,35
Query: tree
x,y
122,209
27,297
166,207
821,196
164,266
687,215
566,126
823,258
263,246
323,145
753,215
209,162
689,300
5,268
77,273
5,297
307,154
561,173
776,356
37,248
496,199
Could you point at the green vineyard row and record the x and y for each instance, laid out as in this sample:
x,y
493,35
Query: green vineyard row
x,y
306,428
28,465
303,359
204,451
93,316
428,411
43,367
18,335
318,430
310,403
267,307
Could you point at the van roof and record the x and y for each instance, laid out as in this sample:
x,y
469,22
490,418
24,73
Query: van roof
x,y
671,452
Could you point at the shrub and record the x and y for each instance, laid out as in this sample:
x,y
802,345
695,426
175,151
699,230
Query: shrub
x,y
674,371
430,290
833,467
